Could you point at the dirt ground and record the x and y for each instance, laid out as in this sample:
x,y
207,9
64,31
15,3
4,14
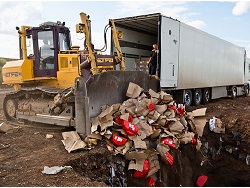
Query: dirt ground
x,y
25,151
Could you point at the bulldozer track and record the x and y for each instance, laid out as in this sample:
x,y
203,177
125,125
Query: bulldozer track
x,y
37,90
10,103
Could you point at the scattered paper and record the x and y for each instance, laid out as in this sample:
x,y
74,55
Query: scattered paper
x,y
72,141
55,169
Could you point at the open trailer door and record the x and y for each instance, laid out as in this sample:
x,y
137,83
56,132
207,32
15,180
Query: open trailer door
x,y
169,41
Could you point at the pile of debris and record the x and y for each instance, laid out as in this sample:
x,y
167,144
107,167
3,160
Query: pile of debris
x,y
145,128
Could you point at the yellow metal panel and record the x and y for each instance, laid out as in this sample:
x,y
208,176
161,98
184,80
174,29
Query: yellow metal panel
x,y
15,72
12,75
27,69
51,83
68,62
68,69
75,62
63,62
66,78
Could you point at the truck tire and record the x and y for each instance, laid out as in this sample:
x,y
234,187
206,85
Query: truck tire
x,y
246,90
234,92
197,97
188,97
206,96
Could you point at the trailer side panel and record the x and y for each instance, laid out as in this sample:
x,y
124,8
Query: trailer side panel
x,y
208,61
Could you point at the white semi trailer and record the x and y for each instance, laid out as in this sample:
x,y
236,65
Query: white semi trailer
x,y
193,66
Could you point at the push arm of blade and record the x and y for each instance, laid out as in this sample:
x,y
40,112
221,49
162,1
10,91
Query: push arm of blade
x,y
84,27
61,100
116,35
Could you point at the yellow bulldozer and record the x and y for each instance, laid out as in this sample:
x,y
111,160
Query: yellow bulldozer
x,y
56,83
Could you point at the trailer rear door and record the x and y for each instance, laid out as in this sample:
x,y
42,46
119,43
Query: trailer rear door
x,y
169,48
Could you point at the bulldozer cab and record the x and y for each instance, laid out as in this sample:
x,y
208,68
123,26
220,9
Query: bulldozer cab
x,y
43,45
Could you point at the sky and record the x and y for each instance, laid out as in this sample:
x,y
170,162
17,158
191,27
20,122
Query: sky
x,y
229,20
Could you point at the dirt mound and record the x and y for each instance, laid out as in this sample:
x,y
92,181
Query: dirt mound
x,y
225,154
100,165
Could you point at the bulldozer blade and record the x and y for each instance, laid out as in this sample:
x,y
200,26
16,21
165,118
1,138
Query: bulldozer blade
x,y
106,88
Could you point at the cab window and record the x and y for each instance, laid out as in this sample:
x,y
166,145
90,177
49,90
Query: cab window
x,y
46,49
63,41
29,45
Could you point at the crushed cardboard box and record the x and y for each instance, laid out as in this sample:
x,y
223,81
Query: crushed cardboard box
x,y
162,149
187,137
155,115
165,97
216,125
153,94
133,90
153,161
136,160
72,141
197,120
4,127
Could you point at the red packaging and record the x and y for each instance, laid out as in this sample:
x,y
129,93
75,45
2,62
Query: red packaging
x,y
118,140
129,128
173,107
201,180
144,172
169,158
151,182
168,141
151,107
130,118
194,141
118,120
181,111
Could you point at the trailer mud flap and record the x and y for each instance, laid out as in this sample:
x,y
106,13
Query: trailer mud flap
x,y
106,88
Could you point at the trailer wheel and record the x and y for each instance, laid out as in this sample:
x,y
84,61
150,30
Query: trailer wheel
x,y
206,96
197,97
188,97
246,90
234,92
